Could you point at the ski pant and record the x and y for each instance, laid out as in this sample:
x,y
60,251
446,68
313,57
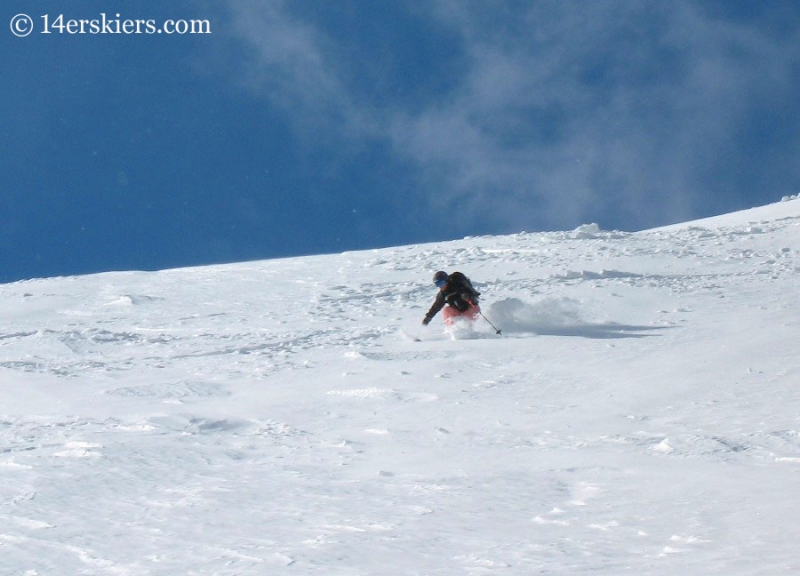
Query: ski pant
x,y
452,314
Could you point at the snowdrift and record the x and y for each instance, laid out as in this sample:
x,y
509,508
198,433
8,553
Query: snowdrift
x,y
638,415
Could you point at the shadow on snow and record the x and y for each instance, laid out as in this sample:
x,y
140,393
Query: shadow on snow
x,y
558,317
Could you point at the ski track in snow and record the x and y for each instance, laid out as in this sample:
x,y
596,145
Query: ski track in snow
x,y
638,415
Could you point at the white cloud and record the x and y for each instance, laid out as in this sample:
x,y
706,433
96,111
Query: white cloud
x,y
293,69
566,112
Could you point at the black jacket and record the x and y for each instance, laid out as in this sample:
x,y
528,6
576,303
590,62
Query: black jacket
x,y
458,292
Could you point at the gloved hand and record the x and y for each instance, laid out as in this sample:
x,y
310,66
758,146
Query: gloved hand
x,y
426,321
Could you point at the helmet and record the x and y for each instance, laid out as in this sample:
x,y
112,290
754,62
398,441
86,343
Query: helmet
x,y
440,277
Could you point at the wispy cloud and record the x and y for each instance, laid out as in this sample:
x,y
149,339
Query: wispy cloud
x,y
560,112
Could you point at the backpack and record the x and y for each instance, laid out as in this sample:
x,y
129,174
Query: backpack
x,y
464,292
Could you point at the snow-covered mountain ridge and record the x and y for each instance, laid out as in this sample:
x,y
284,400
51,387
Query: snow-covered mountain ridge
x,y
639,414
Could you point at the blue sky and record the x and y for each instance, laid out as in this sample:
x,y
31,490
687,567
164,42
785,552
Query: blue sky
x,y
304,127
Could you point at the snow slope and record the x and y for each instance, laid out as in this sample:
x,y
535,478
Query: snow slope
x,y
639,415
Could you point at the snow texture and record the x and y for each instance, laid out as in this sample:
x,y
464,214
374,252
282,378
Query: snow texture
x,y
639,414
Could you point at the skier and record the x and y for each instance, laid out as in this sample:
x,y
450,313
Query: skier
x,y
456,291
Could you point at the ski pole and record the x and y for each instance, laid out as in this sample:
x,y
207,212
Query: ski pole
x,y
497,330
478,308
